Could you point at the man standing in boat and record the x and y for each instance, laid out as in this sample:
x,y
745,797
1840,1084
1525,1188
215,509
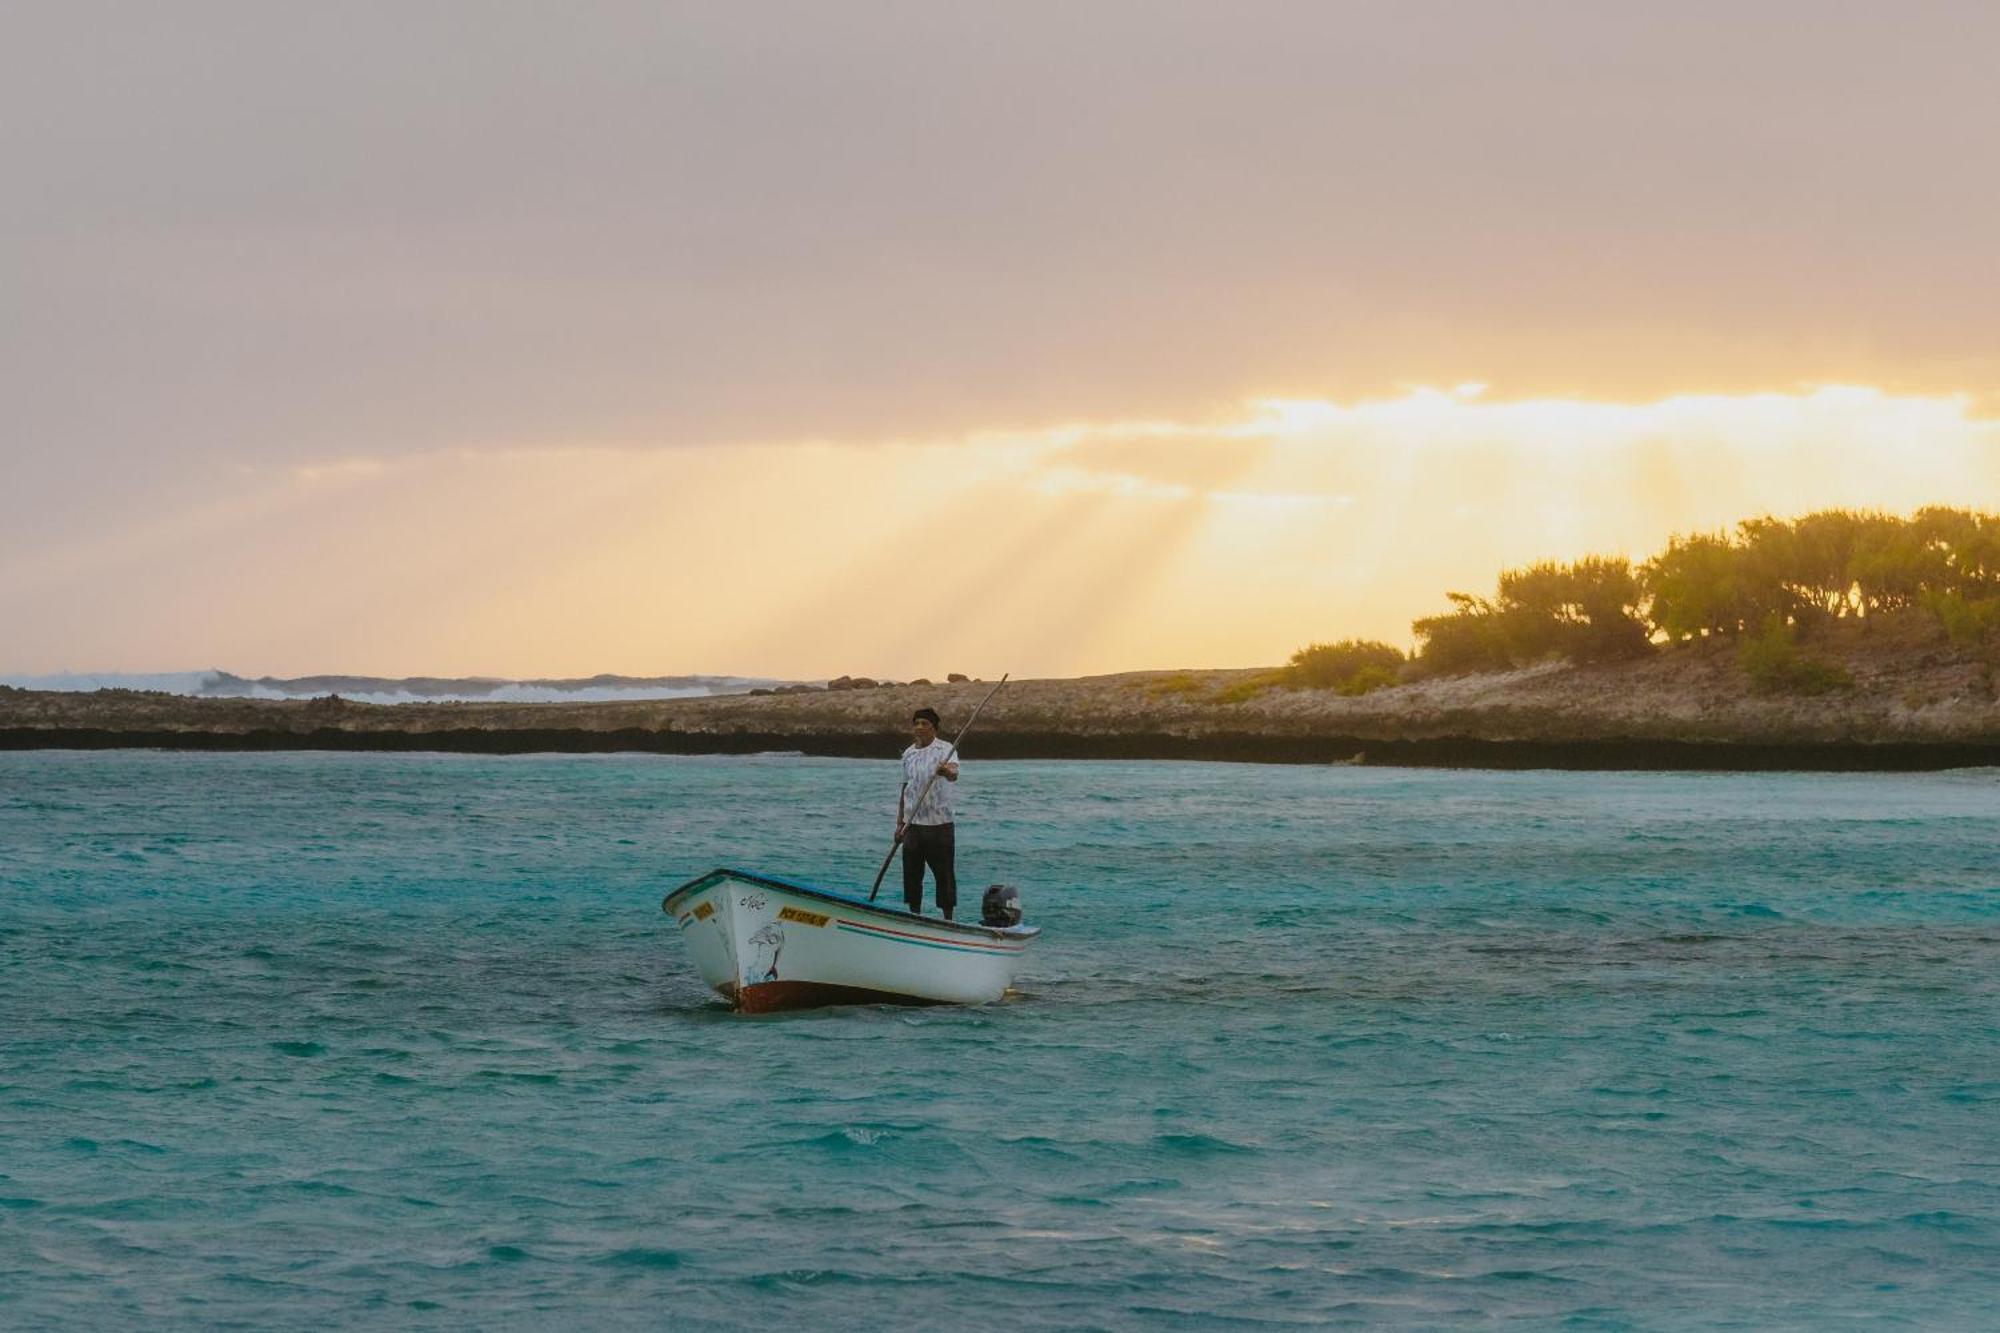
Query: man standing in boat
x,y
923,815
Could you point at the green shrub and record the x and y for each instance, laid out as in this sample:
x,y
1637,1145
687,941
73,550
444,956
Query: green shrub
x,y
1366,679
1249,687
1772,660
1699,585
1335,666
1833,564
1470,638
1181,683
1805,574
1587,612
1967,621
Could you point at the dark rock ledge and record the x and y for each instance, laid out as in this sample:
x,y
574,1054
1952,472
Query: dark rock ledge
x,y
1677,711
1429,752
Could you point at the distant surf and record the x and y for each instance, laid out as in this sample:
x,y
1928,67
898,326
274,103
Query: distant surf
x,y
398,690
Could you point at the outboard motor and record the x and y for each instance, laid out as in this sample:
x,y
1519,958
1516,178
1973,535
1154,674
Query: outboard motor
x,y
1000,906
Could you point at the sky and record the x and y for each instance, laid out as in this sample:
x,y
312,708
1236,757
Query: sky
x,y
898,339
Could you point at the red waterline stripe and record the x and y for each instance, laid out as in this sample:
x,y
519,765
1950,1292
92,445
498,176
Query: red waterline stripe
x,y
932,939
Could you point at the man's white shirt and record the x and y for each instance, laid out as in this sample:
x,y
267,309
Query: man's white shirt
x,y
919,762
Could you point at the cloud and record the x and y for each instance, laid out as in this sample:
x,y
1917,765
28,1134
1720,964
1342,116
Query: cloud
x,y
1856,441
282,234
1190,460
340,470
1073,547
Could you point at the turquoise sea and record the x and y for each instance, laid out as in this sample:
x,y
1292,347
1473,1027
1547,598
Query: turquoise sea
x,y
359,1041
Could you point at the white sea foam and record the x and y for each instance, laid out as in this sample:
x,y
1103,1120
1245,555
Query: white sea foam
x,y
171,682
219,684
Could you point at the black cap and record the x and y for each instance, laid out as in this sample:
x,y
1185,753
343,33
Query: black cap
x,y
925,714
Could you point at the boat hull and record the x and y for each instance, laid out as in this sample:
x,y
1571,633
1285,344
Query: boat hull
x,y
767,944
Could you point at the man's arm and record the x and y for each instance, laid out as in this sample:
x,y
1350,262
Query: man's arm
x,y
902,793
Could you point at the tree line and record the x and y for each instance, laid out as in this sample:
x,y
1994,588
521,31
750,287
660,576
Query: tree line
x,y
1768,587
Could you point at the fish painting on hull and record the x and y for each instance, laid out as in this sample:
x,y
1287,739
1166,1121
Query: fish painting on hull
x,y
770,942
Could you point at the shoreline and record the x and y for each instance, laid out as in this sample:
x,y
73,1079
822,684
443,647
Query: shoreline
x,y
1606,755
1909,710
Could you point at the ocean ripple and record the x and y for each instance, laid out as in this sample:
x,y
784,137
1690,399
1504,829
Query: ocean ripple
x,y
404,1041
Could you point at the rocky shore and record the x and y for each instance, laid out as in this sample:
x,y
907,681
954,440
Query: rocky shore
x,y
1909,708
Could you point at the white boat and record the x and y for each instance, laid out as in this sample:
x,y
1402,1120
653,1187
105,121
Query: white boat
x,y
764,943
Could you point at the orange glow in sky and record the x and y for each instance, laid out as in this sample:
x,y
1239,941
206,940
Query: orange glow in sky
x,y
899,339
1071,549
